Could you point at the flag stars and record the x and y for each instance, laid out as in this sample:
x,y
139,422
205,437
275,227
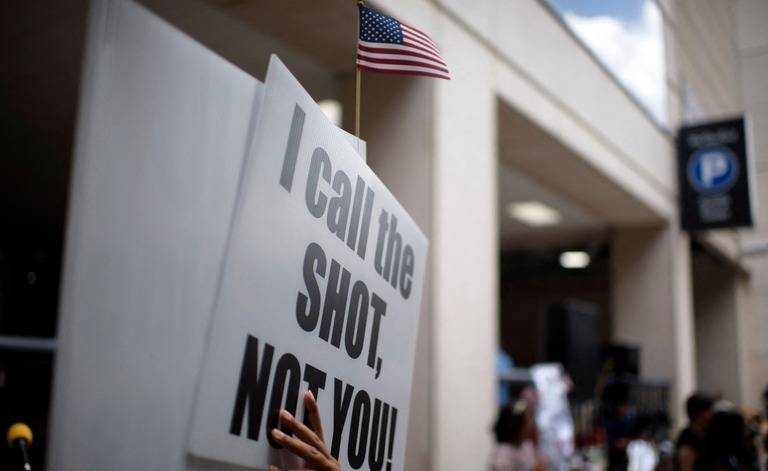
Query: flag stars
x,y
376,27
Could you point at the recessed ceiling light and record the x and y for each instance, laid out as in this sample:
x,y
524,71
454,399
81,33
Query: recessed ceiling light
x,y
575,259
534,213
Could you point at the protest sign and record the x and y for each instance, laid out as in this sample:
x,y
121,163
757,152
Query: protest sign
x,y
321,291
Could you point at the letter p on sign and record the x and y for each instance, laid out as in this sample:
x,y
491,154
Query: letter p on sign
x,y
713,170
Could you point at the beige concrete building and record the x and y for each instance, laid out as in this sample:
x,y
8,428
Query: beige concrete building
x,y
529,114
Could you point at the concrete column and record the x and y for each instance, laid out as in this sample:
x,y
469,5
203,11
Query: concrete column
x,y
465,258
652,305
753,45
722,335
744,310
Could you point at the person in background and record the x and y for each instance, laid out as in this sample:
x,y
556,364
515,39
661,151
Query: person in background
x,y
620,430
749,453
689,447
515,448
764,431
504,365
725,437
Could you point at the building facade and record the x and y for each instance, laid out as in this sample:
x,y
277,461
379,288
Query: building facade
x,y
529,114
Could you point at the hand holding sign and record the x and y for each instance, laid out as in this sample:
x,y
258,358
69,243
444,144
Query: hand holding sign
x,y
310,444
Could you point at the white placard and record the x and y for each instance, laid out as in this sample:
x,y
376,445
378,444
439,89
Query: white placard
x,y
321,290
161,140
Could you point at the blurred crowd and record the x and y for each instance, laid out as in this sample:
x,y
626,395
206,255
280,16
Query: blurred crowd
x,y
721,437
718,436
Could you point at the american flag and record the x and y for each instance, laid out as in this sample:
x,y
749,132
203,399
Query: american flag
x,y
387,46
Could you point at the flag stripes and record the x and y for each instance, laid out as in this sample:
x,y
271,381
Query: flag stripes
x,y
387,46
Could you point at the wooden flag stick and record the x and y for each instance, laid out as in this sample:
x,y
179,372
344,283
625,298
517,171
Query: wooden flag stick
x,y
357,103
358,81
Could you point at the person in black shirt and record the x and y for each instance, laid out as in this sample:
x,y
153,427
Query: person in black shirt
x,y
725,439
689,448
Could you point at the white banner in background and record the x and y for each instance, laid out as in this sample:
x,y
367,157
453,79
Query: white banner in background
x,y
321,291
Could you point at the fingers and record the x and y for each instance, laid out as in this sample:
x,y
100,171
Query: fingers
x,y
304,434
312,414
308,442
275,468
306,445
314,458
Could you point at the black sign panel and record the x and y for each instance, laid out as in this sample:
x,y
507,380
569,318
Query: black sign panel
x,y
712,169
